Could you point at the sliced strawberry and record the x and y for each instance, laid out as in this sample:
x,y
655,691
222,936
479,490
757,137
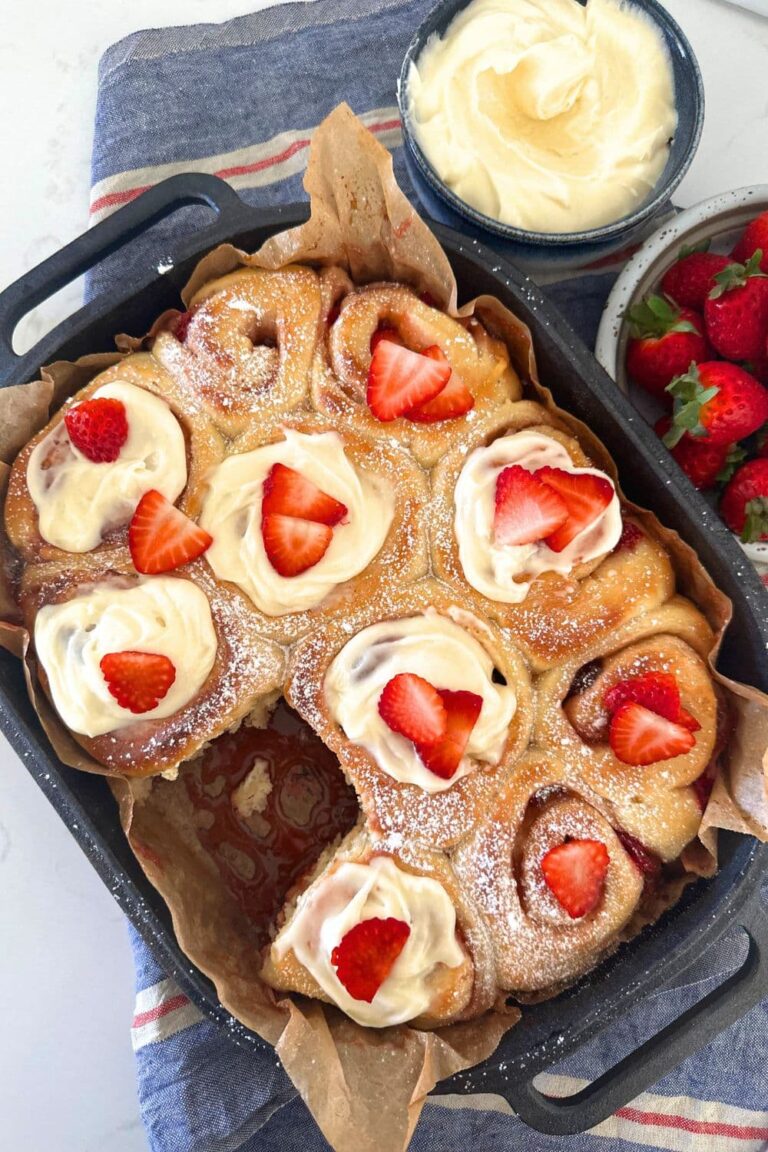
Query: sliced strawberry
x,y
647,863
161,537
657,691
366,955
526,509
444,757
639,736
400,379
98,428
575,874
137,680
411,706
293,545
288,493
333,314
383,332
585,496
454,400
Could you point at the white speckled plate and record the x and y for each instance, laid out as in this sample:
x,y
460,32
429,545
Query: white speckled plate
x,y
719,220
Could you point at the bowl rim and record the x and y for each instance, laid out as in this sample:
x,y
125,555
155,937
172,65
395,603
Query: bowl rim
x,y
666,237
605,232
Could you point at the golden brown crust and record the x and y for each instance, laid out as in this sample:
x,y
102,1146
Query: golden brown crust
x,y
247,670
340,370
249,345
456,993
440,819
204,447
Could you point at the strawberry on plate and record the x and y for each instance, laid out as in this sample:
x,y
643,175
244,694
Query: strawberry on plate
x,y
755,236
704,464
526,509
288,493
744,503
640,737
585,497
411,706
664,340
736,311
293,545
575,874
454,400
366,955
98,428
657,691
692,277
630,537
399,380
161,537
138,680
716,402
444,756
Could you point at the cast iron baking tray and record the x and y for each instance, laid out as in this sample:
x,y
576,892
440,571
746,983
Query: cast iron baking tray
x,y
657,958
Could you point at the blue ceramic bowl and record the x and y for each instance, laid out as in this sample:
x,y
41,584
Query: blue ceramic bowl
x,y
561,249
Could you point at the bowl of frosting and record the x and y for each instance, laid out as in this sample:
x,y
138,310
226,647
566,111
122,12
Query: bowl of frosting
x,y
561,127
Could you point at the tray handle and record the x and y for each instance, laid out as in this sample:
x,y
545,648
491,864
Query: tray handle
x,y
638,1071
88,250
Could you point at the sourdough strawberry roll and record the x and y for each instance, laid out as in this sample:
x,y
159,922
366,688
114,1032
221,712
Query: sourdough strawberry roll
x,y
387,936
638,721
75,487
145,670
556,879
534,534
245,346
390,359
304,518
426,706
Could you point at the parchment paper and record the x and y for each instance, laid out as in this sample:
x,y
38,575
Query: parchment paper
x,y
364,1087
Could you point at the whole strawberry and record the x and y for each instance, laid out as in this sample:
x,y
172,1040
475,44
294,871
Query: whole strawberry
x,y
705,464
692,277
718,402
664,340
744,503
736,311
755,236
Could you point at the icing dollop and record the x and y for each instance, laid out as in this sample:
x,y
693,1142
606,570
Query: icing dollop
x,y
353,892
442,652
505,572
160,614
77,500
232,514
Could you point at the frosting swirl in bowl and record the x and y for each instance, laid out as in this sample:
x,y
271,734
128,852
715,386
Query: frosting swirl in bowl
x,y
355,892
500,571
547,115
78,501
159,614
232,514
440,651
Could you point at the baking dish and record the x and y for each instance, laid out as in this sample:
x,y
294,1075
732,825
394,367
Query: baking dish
x,y
548,1031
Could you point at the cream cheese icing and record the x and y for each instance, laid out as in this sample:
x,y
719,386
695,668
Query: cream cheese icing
x,y
232,514
338,901
500,571
159,614
442,652
548,115
78,501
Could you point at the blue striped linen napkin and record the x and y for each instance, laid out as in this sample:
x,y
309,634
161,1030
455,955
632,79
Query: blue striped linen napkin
x,y
241,100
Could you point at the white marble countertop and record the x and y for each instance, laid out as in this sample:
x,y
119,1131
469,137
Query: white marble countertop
x,y
66,981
